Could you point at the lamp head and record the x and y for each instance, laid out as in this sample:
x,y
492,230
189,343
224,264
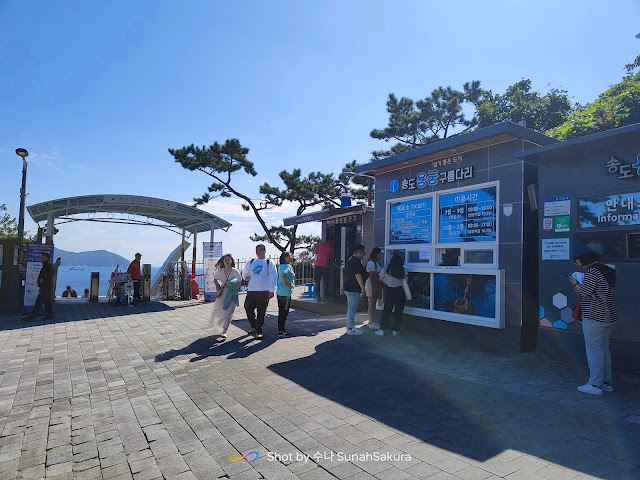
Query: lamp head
x,y
22,152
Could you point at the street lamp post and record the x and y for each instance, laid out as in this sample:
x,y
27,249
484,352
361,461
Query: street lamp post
x,y
21,152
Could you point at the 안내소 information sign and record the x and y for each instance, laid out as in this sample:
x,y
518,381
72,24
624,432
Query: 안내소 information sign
x,y
468,216
410,221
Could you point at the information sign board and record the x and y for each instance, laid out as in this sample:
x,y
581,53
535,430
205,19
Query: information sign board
x,y
211,253
410,221
468,216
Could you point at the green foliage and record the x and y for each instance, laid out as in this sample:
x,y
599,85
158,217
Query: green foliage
x,y
616,107
413,124
519,102
636,63
223,162
219,162
8,224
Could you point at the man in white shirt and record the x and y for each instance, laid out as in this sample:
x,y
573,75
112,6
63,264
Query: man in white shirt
x,y
262,277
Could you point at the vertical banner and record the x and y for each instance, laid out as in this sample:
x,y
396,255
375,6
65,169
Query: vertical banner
x,y
34,264
211,253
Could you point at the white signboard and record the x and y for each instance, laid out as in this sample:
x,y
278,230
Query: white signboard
x,y
555,249
211,252
557,206
424,254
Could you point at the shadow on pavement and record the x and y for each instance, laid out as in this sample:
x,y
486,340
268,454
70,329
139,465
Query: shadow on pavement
x,y
470,418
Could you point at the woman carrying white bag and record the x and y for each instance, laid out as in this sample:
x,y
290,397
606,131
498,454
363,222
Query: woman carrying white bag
x,y
395,278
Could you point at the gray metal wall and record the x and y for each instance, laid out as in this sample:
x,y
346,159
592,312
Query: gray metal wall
x,y
582,174
517,236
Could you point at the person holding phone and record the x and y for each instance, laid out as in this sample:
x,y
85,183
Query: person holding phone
x,y
598,319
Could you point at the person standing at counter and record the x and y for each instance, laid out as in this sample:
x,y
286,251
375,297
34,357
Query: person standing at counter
x,y
598,319
354,287
395,298
324,258
134,271
373,285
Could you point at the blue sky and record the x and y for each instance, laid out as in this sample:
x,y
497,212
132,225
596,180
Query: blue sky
x,y
97,91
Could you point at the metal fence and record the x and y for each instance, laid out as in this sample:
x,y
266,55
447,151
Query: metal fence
x,y
302,269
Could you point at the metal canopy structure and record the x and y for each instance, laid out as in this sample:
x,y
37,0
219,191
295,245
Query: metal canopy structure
x,y
127,209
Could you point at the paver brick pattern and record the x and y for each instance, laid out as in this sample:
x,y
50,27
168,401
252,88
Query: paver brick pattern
x,y
149,392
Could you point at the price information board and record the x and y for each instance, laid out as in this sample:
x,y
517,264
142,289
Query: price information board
x,y
410,221
468,216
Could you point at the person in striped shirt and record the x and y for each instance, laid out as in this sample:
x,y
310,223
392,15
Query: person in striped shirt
x,y
598,319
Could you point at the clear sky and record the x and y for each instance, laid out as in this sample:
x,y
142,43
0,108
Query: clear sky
x,y
98,90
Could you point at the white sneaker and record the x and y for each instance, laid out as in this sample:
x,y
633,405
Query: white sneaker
x,y
396,333
380,333
354,331
374,326
588,388
607,387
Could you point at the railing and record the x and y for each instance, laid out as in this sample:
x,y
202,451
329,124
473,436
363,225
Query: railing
x,y
302,269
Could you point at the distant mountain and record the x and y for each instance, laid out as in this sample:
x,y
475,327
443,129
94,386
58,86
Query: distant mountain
x,y
95,258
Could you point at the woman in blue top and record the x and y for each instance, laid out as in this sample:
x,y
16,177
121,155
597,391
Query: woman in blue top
x,y
283,291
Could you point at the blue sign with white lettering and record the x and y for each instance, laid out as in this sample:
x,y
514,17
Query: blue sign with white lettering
x,y
410,221
394,185
468,216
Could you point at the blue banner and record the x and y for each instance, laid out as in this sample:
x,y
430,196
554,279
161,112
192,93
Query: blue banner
x,y
468,216
410,221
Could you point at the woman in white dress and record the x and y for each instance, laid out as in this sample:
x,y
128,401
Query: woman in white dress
x,y
225,272
373,285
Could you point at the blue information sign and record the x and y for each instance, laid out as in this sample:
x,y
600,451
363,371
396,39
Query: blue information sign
x,y
468,216
410,221
610,211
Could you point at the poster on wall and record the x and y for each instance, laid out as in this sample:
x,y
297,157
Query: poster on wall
x,y
410,221
34,264
211,253
554,206
468,216
555,249
465,294
610,210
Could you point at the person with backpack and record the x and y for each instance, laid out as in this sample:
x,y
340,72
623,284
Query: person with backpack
x,y
598,319
260,273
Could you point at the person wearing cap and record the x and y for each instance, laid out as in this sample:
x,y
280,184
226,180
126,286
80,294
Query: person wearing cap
x,y
262,277
134,271
355,275
45,283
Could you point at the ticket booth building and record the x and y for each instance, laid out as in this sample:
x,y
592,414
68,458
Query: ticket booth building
x,y
462,214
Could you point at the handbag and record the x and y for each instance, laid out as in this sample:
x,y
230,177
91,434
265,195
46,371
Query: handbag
x,y
407,291
576,313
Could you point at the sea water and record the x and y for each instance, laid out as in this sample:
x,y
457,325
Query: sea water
x,y
81,279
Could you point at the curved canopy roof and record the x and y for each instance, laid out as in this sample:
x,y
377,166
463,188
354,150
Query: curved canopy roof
x,y
131,209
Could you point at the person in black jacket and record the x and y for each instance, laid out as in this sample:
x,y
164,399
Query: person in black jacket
x,y
45,283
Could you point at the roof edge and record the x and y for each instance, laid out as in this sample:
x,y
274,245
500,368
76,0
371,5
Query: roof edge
x,y
580,140
506,127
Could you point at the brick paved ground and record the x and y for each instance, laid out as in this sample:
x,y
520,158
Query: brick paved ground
x,y
147,392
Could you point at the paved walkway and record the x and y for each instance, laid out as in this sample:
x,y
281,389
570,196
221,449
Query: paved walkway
x,y
147,392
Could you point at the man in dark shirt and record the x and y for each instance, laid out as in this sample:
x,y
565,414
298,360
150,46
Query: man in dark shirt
x,y
355,275
45,283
